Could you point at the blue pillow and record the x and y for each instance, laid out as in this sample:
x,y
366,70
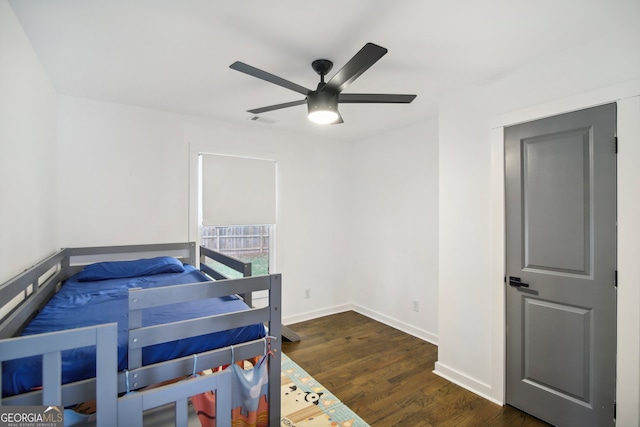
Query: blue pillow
x,y
125,269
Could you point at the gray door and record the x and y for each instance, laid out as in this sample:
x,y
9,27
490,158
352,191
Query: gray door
x,y
561,261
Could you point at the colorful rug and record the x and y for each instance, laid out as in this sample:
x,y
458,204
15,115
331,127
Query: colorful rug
x,y
306,403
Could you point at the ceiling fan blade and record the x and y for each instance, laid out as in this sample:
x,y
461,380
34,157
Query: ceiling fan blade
x,y
374,98
361,61
256,72
277,106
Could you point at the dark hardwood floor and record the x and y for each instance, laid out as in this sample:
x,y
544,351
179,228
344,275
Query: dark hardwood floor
x,y
386,376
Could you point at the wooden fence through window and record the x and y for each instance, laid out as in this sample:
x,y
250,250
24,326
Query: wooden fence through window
x,y
237,239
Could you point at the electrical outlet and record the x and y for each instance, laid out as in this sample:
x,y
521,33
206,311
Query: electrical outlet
x,y
416,306
307,293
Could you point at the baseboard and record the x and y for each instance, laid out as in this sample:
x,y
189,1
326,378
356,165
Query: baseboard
x,y
464,381
310,315
397,324
389,321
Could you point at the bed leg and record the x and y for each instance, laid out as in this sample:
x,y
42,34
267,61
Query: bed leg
x,y
275,363
130,411
289,335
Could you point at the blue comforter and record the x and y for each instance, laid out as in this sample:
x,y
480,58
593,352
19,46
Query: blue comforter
x,y
79,304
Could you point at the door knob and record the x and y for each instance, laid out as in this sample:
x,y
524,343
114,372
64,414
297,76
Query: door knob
x,y
516,281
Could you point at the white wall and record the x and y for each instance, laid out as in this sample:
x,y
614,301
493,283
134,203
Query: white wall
x,y
27,152
122,175
394,240
628,345
465,307
470,242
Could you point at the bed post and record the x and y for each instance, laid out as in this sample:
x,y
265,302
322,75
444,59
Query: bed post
x,y
193,256
65,263
275,329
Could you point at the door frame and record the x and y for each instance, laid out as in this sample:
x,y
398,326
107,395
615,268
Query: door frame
x,y
627,98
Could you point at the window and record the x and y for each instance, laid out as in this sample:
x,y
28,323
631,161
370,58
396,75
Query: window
x,y
238,210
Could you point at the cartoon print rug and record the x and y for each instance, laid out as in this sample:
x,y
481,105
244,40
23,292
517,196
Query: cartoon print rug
x,y
306,403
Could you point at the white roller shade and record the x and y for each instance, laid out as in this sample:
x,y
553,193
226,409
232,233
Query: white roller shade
x,y
237,190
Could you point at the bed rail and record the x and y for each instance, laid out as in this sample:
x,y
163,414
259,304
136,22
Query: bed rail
x,y
24,295
131,407
79,257
141,299
241,267
104,337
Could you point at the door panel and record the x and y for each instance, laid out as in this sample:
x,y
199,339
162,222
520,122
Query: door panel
x,y
560,215
556,201
565,370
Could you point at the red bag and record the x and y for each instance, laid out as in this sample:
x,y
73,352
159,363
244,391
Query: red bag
x,y
205,406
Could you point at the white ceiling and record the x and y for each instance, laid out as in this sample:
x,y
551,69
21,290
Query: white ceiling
x,y
174,55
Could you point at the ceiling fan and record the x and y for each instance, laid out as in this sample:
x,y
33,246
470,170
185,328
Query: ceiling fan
x,y
322,103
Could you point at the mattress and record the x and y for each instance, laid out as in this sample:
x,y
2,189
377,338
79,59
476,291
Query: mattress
x,y
88,303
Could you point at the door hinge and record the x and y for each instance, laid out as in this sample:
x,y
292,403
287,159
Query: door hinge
x,y
615,278
615,407
615,144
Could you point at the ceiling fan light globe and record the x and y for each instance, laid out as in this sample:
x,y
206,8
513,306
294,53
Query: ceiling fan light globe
x,y
323,107
323,117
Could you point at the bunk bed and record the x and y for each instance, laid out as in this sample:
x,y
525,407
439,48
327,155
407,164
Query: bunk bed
x,y
145,339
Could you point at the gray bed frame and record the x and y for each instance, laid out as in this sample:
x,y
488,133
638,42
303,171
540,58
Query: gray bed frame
x,y
36,285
